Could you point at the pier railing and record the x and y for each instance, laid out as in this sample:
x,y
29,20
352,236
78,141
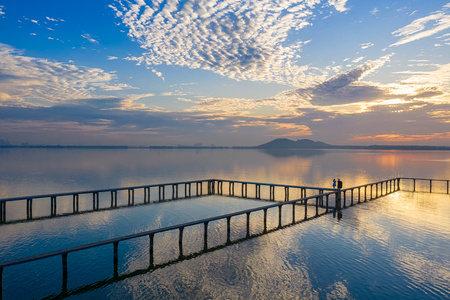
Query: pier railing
x,y
63,204
95,200
80,200
441,186
321,203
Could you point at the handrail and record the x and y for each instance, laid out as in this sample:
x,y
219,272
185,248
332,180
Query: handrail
x,y
319,198
173,227
152,185
150,232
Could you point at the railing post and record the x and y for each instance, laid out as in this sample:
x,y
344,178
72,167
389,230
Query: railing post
x,y
327,196
258,191
220,187
130,196
116,258
186,194
65,273
228,230
306,208
211,187
317,206
365,193
286,193
414,185
293,212
94,200
279,216
231,188
161,192
272,193
351,203
53,206
196,189
265,220
337,197
201,188
205,236
345,193
2,212
430,184
174,191
180,242
29,209
244,190
448,186
147,194
150,249
75,202
248,224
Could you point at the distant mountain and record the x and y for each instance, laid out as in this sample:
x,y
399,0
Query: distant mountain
x,y
309,144
290,144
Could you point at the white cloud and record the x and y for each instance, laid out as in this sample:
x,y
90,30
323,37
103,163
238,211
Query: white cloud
x,y
240,40
1,10
112,58
89,38
366,45
24,78
423,27
339,5
54,20
175,93
159,74
358,59
374,11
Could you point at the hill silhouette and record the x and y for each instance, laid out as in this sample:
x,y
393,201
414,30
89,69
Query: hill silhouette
x,y
282,143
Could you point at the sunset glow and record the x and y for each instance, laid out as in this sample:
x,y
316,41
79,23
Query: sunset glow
x,y
225,72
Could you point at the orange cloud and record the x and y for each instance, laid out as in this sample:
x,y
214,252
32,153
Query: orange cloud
x,y
403,137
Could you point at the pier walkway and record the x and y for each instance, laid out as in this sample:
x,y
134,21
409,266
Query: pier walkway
x,y
301,203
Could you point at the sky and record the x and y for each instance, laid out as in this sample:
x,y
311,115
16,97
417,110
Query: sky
x,y
224,72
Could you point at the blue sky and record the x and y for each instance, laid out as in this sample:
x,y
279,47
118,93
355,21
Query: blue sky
x,y
224,72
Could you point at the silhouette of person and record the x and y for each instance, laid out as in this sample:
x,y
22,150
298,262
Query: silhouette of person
x,y
339,184
334,183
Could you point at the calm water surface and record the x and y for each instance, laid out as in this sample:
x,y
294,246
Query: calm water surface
x,y
393,247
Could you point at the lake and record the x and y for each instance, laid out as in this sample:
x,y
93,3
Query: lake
x,y
393,247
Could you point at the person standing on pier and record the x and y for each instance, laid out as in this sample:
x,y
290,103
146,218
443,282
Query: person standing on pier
x,y
334,183
339,184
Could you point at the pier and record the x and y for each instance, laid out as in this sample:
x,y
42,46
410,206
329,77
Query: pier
x,y
290,204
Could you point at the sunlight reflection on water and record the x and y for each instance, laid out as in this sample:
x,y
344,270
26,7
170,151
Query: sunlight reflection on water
x,y
392,247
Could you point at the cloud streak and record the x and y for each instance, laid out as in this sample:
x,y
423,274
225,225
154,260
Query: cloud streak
x,y
89,38
343,88
424,27
24,78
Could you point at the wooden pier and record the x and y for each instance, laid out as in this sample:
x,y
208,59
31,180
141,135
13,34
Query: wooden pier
x,y
286,198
